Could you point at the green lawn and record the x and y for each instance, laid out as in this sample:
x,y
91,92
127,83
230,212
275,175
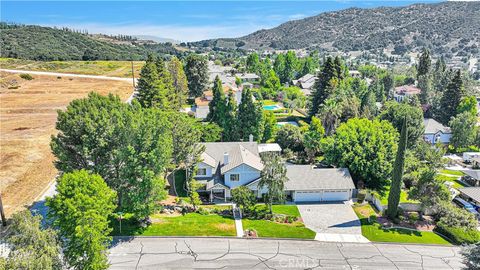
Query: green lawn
x,y
452,172
265,228
290,210
192,224
403,197
266,102
374,232
454,179
180,183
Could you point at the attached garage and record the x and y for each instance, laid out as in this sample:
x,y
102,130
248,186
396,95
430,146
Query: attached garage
x,y
311,184
308,196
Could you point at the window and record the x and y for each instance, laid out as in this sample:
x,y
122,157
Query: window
x,y
202,171
235,177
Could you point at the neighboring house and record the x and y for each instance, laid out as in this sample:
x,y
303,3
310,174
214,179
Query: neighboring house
x,y
306,83
471,195
469,156
472,177
228,165
405,91
436,132
248,77
201,108
355,73
476,162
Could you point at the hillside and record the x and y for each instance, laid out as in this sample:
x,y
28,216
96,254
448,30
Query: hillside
x,y
447,28
45,43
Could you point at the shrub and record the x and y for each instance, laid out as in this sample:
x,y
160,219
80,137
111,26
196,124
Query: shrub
x,y
458,235
203,211
26,76
361,196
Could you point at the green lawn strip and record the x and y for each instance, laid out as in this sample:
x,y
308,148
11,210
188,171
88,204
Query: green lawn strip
x,y
452,172
373,231
266,228
179,183
454,179
191,224
290,210
403,197
215,206
267,102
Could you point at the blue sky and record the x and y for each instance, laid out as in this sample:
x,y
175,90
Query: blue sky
x,y
180,20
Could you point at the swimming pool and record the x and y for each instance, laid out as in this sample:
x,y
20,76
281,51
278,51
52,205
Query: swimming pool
x,y
271,107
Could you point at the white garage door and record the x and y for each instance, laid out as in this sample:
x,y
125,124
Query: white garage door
x,y
308,196
336,195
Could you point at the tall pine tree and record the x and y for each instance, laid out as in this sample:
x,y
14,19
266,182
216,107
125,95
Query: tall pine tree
x,y
230,133
451,98
217,106
424,77
322,87
147,85
249,118
179,81
396,186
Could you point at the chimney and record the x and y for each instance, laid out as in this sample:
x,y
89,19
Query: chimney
x,y
250,138
225,158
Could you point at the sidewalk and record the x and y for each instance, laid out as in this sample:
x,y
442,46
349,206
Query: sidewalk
x,y
237,215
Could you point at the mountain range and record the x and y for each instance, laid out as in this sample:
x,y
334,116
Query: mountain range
x,y
446,28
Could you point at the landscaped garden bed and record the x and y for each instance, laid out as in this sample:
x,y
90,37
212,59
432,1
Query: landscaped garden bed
x,y
373,230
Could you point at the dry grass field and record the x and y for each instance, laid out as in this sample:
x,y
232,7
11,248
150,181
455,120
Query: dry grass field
x,y
105,68
27,120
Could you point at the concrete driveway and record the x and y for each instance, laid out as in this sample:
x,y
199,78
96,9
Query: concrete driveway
x,y
336,222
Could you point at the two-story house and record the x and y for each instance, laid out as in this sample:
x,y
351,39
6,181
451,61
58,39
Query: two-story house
x,y
227,165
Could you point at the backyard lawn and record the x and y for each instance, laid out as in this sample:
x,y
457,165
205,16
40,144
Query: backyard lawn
x,y
454,179
374,232
191,224
452,172
403,197
266,228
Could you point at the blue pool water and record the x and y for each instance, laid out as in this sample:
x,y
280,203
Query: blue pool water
x,y
271,107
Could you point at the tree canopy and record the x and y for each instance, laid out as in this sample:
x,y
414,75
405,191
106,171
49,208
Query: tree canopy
x,y
367,148
81,210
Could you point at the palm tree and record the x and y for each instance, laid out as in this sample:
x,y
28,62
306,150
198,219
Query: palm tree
x,y
330,113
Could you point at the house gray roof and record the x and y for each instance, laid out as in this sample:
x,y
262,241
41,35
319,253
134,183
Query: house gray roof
x,y
306,177
432,126
207,159
238,153
473,173
472,192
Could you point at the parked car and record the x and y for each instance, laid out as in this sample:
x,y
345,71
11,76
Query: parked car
x,y
466,205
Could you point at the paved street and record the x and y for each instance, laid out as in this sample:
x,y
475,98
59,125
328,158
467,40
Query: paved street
x,y
231,253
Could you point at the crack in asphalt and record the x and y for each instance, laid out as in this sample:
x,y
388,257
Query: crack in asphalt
x,y
266,260
139,257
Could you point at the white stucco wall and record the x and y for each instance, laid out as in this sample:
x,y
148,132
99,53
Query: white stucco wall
x,y
444,138
247,174
204,166
201,112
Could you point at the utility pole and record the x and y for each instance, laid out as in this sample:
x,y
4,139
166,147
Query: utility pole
x,y
4,220
133,77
